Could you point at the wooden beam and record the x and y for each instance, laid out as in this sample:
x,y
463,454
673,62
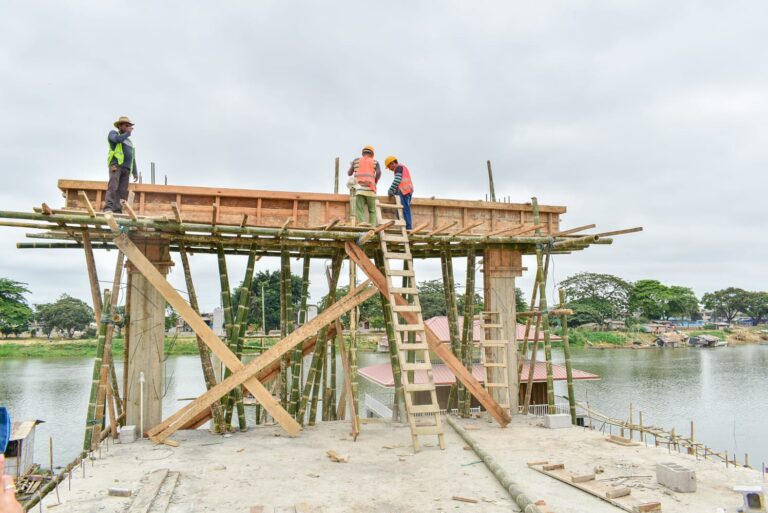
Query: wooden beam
x,y
574,230
93,278
442,228
332,223
466,229
621,232
145,267
245,375
214,214
88,206
419,227
176,211
441,350
127,207
497,232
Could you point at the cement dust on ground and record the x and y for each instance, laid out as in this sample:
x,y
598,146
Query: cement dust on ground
x,y
263,467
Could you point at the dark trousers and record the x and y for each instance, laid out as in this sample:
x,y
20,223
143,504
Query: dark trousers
x,y
405,199
117,188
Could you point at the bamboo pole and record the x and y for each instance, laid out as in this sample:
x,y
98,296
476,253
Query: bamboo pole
x,y
126,335
93,277
468,332
544,317
296,354
353,320
236,340
336,181
398,408
490,181
286,309
109,354
318,386
226,298
521,499
568,364
449,290
91,425
209,376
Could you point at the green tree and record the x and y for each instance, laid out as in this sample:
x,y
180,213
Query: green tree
x,y
756,306
596,297
270,281
681,302
171,317
650,297
67,314
726,302
15,312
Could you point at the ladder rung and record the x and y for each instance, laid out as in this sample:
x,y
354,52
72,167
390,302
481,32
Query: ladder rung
x,y
496,385
394,238
405,367
488,364
428,430
484,342
406,308
425,408
491,325
412,347
419,387
391,205
403,290
409,327
397,256
401,272
493,344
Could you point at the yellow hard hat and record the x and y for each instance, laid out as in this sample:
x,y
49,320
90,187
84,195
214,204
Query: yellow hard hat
x,y
369,148
389,160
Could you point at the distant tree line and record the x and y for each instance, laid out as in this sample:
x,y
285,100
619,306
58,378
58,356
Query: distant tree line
x,y
596,298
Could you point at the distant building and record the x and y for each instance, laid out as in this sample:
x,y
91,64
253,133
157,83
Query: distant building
x,y
20,453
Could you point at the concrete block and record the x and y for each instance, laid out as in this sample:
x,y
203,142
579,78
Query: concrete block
x,y
676,477
127,435
557,421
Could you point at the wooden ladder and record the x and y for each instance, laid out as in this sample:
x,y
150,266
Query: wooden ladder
x,y
421,404
493,355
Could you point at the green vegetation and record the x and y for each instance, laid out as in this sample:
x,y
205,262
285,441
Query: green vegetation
x,y
581,337
67,314
715,333
15,313
42,348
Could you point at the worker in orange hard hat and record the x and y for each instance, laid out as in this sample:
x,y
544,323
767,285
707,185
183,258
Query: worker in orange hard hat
x,y
366,172
401,186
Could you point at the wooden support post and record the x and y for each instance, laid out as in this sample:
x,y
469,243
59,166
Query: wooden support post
x,y
345,363
398,407
336,181
435,345
87,202
209,376
490,181
93,278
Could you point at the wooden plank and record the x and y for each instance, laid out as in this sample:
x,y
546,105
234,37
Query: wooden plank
x,y
347,379
574,230
145,267
441,350
127,207
246,373
88,206
146,496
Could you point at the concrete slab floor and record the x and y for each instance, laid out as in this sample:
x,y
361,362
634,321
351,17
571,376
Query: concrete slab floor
x,y
263,467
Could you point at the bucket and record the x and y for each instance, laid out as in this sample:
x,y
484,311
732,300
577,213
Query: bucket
x,y
5,428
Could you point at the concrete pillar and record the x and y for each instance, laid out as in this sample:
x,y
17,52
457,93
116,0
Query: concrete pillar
x,y
146,335
500,267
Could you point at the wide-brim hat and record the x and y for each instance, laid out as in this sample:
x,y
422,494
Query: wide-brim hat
x,y
121,120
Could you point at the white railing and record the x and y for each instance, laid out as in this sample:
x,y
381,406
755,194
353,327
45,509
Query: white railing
x,y
539,410
377,408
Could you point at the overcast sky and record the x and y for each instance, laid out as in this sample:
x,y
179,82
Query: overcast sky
x,y
629,113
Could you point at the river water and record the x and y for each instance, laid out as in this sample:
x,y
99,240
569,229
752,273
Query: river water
x,y
723,390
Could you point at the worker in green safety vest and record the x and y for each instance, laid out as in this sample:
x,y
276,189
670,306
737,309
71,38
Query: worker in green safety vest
x,y
122,162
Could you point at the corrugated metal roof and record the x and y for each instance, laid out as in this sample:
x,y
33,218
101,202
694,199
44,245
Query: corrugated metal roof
x,y
439,325
21,430
382,374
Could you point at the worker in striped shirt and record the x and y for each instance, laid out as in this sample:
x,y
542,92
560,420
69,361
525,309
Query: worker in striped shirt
x,y
402,186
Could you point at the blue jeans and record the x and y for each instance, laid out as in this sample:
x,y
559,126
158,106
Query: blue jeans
x,y
405,199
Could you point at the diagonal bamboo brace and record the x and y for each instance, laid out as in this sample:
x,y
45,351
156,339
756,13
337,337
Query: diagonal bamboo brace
x,y
145,267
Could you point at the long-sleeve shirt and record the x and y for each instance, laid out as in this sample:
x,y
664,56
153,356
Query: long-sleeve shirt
x,y
396,182
116,137
363,188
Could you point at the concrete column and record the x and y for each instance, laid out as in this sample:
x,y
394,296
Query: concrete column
x,y
146,315
500,267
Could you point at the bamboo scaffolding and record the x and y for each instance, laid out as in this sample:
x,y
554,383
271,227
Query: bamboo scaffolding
x,y
286,309
109,355
545,316
296,358
91,425
467,335
449,290
568,364
209,376
398,408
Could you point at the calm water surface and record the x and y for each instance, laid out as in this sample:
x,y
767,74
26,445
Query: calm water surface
x,y
723,390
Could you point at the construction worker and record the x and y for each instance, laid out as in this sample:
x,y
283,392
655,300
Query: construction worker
x,y
122,162
366,172
401,186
